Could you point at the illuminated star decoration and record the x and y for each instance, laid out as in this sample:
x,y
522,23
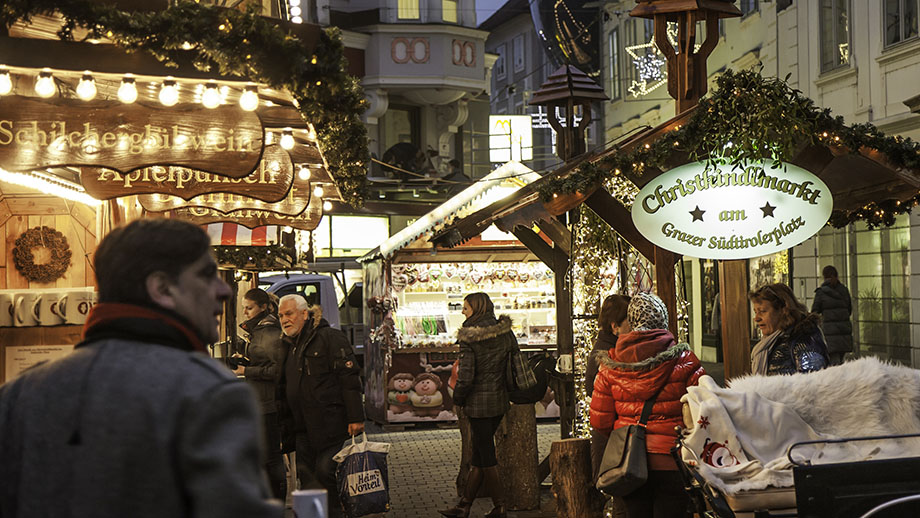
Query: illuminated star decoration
x,y
697,214
703,422
768,210
648,61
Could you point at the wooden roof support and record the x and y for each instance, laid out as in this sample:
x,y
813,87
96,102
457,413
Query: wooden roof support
x,y
615,214
560,235
537,245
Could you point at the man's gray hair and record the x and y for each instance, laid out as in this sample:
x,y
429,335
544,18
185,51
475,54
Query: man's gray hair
x,y
301,302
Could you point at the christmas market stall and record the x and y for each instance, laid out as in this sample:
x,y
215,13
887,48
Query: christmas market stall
x,y
414,294
111,112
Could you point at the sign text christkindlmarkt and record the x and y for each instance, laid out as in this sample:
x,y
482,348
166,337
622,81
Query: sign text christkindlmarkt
x,y
732,213
39,134
271,182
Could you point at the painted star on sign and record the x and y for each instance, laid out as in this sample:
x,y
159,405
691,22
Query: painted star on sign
x,y
697,214
768,210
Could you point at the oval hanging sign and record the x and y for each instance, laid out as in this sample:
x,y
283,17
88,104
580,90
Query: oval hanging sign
x,y
732,214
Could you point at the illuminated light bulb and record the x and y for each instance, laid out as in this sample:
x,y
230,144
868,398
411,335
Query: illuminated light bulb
x,y
293,3
327,206
86,88
127,92
287,139
6,82
318,191
44,85
297,19
304,173
269,138
249,100
295,11
211,96
169,93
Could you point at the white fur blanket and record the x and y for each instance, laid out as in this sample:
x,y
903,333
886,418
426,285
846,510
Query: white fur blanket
x,y
741,434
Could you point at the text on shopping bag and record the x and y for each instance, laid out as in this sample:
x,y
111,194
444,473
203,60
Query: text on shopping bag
x,y
365,482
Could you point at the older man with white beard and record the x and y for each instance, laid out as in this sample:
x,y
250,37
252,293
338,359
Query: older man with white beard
x,y
321,383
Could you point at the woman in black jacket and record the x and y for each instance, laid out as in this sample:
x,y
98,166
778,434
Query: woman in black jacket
x,y
266,355
485,344
791,340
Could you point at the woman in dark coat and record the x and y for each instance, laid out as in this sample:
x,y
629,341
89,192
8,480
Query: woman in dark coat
x,y
485,344
648,363
266,355
832,302
611,323
791,340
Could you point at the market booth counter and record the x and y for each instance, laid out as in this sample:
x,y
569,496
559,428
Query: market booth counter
x,y
414,298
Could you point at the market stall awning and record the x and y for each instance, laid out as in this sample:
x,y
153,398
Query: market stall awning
x,y
231,234
463,202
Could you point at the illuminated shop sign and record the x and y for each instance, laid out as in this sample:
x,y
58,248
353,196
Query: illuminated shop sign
x,y
732,213
510,138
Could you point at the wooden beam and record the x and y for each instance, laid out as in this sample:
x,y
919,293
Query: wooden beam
x,y
558,232
736,317
537,245
619,219
565,343
665,284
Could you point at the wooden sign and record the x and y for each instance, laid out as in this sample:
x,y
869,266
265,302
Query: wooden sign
x,y
38,134
251,218
294,203
271,182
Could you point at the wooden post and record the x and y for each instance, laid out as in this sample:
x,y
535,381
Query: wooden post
x,y
665,285
516,448
736,317
565,343
573,487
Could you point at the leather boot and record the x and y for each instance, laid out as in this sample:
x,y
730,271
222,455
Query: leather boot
x,y
462,509
497,491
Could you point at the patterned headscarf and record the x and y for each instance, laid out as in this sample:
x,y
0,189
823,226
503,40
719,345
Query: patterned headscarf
x,y
647,311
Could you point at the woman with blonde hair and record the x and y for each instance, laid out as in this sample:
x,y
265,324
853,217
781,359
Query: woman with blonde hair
x,y
791,340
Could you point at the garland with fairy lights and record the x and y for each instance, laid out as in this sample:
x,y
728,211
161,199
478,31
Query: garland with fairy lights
x,y
750,118
237,43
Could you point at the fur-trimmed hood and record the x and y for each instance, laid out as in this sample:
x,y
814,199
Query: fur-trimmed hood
x,y
603,358
641,350
480,333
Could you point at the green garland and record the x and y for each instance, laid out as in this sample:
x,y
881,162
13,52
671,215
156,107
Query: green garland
x,y
241,44
272,257
750,118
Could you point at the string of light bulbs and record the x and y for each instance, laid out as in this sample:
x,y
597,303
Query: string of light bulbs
x,y
49,184
209,94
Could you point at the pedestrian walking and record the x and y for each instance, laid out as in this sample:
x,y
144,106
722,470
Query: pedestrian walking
x,y
138,421
832,302
648,364
322,392
485,345
264,358
790,338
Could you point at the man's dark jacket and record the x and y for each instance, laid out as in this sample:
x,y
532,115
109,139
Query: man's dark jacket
x,y
832,302
322,384
266,354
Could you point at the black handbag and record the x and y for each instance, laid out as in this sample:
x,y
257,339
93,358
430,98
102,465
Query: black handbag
x,y
624,466
518,374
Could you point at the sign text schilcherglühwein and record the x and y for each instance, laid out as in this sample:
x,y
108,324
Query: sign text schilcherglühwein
x,y
38,134
732,213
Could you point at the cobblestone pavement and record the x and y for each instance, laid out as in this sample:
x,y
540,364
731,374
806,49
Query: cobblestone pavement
x,y
423,466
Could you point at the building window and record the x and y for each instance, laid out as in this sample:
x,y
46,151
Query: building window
x,y
629,40
834,34
613,65
900,20
449,11
499,67
748,6
518,53
407,10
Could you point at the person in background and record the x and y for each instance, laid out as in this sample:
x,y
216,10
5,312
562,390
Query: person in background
x,y
611,323
322,390
832,302
648,363
266,353
485,345
791,340
138,420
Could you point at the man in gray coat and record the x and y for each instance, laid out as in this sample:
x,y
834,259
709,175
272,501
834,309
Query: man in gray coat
x,y
138,421
832,302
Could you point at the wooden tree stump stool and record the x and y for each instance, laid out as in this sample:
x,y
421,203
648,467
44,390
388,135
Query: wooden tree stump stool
x,y
573,485
516,449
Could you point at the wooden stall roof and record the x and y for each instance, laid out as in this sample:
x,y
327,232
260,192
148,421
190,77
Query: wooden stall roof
x,y
855,178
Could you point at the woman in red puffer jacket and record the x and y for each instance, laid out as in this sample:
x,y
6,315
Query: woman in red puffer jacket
x,y
646,362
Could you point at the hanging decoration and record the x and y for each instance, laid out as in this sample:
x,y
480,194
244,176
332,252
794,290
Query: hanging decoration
x,y
237,43
650,63
37,238
271,257
750,118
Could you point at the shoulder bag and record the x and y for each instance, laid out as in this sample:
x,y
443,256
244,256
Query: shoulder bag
x,y
623,467
518,374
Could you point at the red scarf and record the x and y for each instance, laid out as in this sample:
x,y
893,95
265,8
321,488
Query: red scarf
x,y
107,312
